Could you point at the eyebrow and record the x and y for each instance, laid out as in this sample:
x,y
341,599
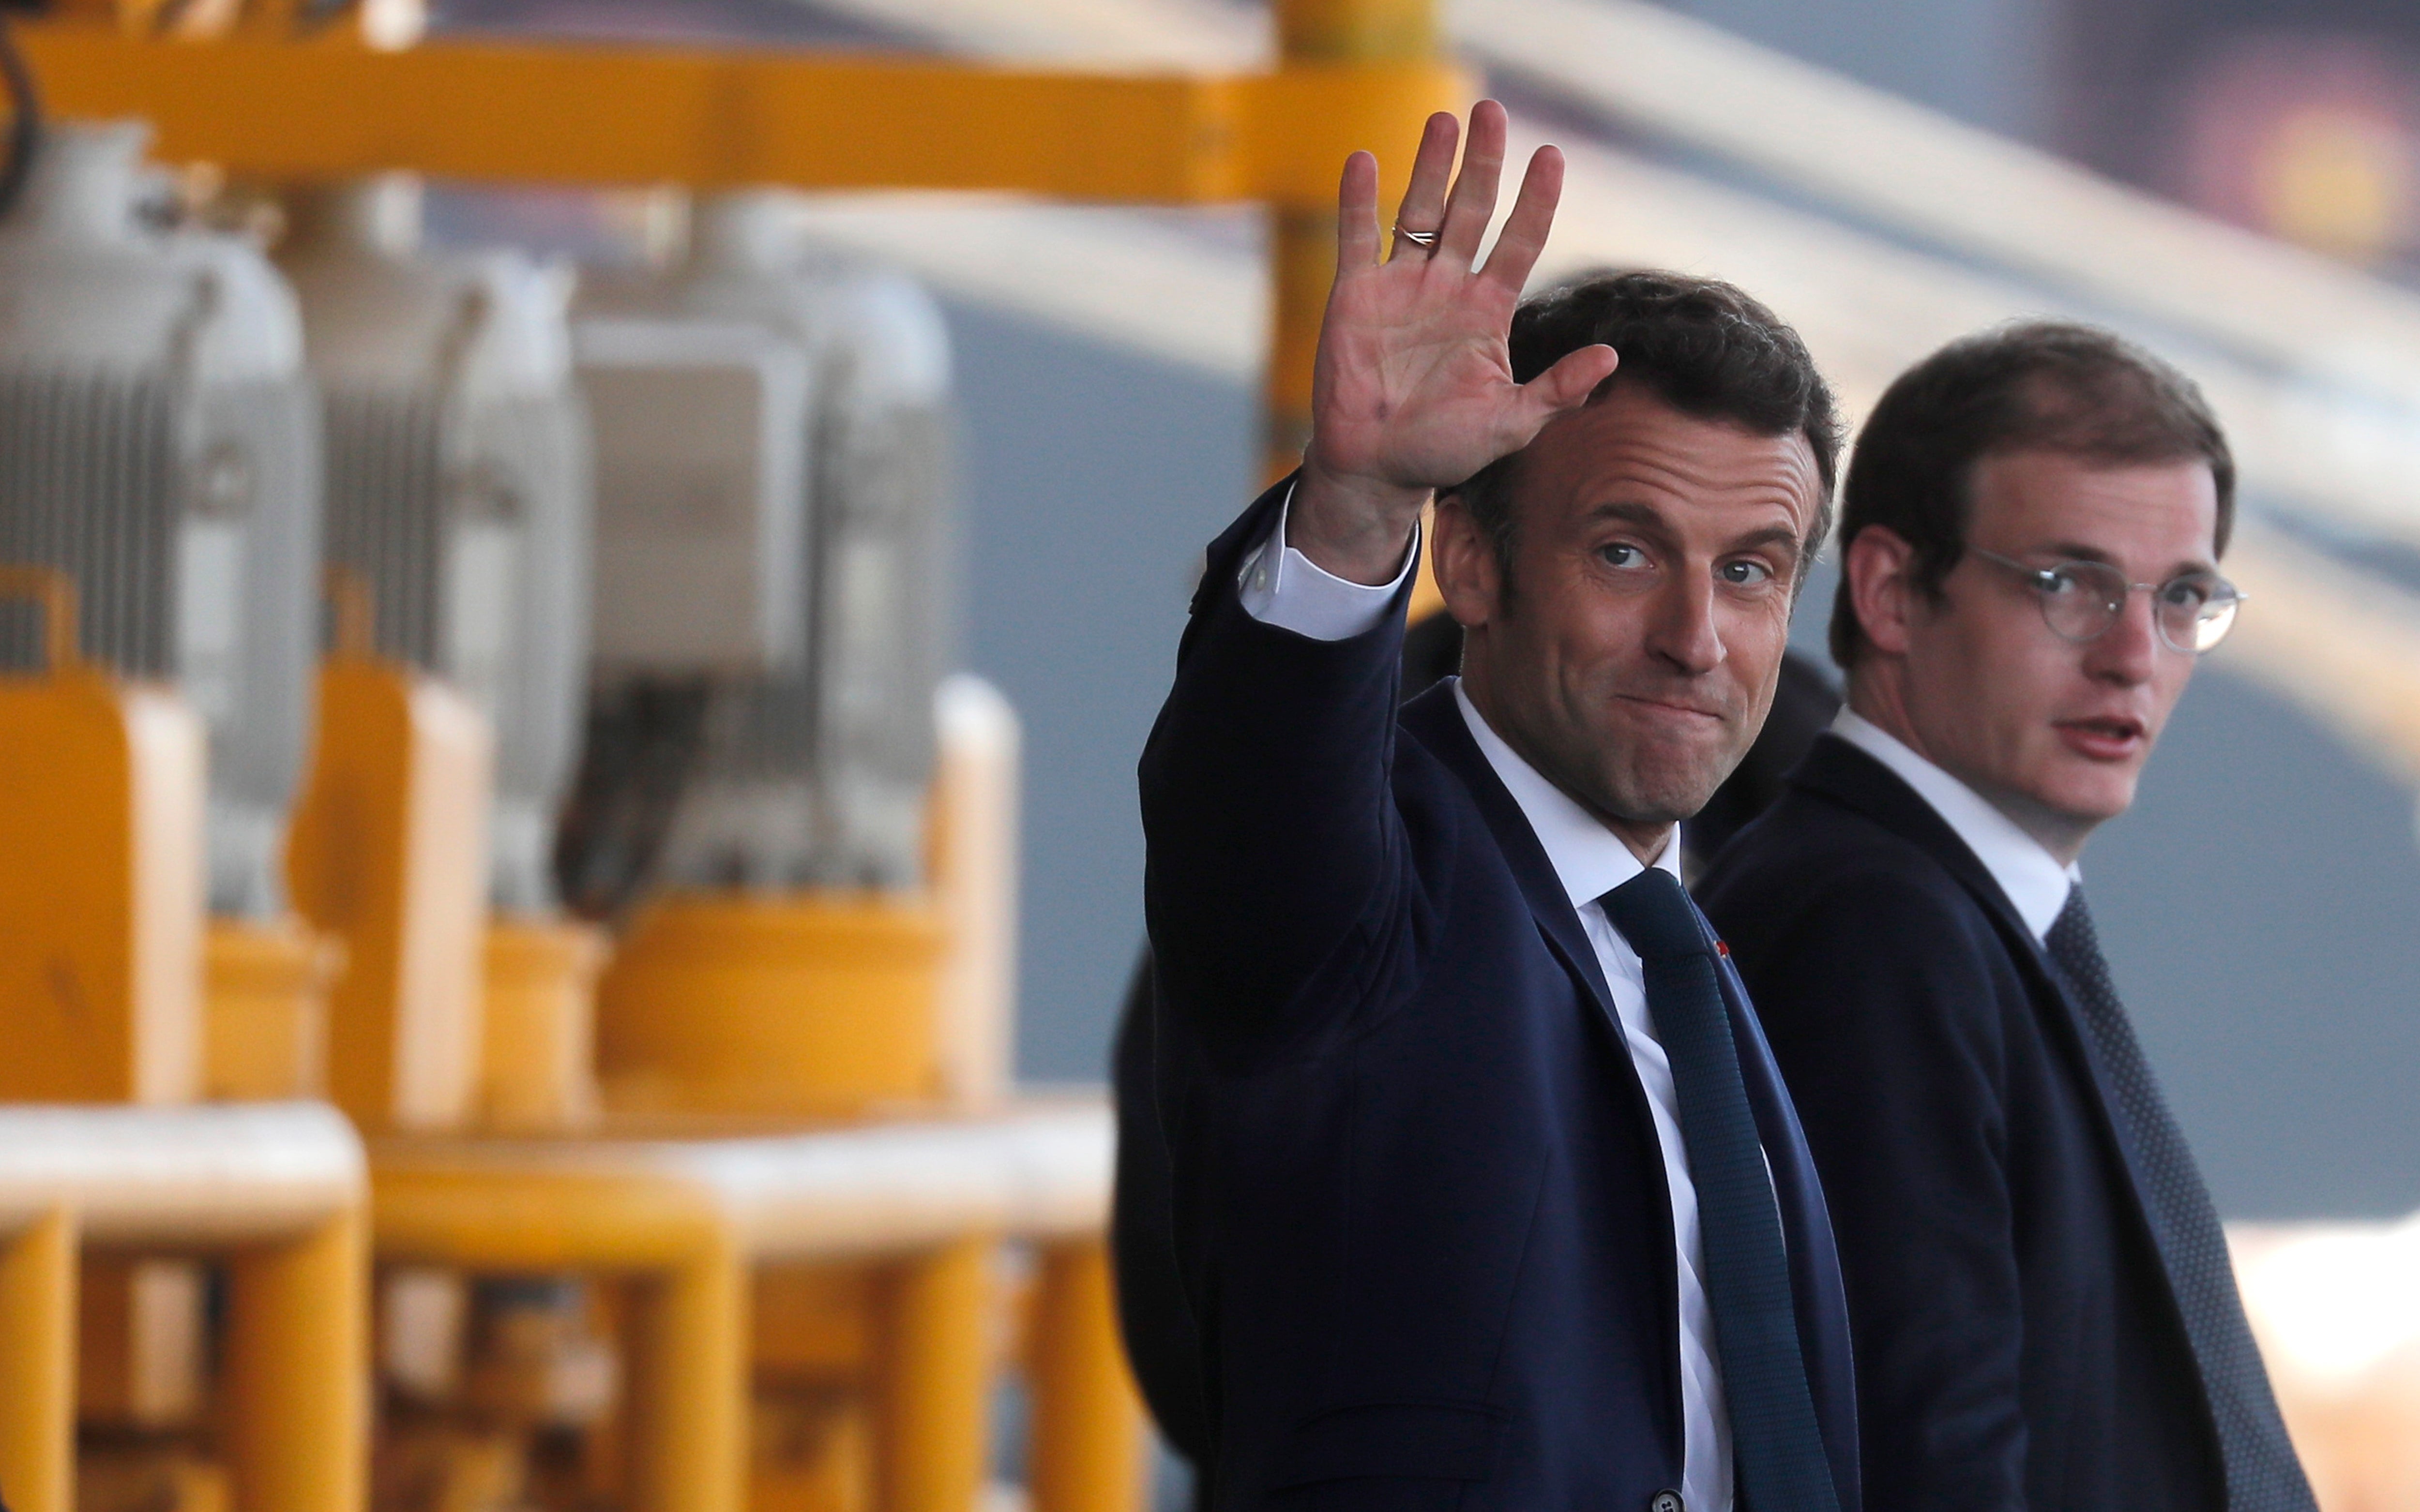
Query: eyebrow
x,y
1635,513
1653,518
2078,551
1769,536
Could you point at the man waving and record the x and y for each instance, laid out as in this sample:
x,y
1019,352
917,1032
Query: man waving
x,y
1486,1193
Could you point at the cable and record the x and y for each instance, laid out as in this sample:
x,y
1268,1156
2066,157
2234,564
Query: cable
x,y
25,123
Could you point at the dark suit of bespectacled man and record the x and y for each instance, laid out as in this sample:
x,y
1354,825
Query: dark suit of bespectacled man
x,y
2042,1305
1485,1192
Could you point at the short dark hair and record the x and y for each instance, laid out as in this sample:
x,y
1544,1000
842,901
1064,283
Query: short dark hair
x,y
2029,386
1702,346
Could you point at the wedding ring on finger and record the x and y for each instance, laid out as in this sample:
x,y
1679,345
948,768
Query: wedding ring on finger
x,y
1425,241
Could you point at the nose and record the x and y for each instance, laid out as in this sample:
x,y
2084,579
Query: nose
x,y
1682,632
2129,652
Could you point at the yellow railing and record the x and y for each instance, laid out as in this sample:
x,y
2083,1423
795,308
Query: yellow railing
x,y
276,1189
689,1220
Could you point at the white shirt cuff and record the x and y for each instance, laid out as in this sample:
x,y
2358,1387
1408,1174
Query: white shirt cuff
x,y
1280,586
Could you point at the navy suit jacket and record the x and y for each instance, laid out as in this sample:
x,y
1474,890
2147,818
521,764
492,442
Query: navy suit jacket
x,y
1419,1208
2018,1345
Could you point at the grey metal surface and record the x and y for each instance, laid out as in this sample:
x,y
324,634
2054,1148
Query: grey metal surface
x,y
160,444
795,749
185,518
468,524
458,486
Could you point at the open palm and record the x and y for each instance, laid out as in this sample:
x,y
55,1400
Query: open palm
x,y
1413,386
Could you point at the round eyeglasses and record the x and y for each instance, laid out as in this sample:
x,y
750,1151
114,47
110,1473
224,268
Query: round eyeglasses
x,y
2081,600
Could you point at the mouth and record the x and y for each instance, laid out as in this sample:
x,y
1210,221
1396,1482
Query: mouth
x,y
1666,708
2108,738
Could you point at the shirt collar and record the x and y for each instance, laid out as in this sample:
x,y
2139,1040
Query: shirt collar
x,y
1590,860
2035,882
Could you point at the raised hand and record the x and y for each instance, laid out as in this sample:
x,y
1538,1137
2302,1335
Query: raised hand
x,y
1414,388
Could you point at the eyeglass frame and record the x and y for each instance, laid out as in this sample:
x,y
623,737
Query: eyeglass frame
x,y
2040,577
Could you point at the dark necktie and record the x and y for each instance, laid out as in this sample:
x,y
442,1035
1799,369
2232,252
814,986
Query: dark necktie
x,y
2262,1475
1777,1448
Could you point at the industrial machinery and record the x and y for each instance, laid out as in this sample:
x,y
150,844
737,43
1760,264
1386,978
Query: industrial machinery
x,y
457,523
159,446
458,508
159,482
806,932
774,472
774,465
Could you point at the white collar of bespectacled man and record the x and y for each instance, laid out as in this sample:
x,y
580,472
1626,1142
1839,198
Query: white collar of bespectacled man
x,y
2033,879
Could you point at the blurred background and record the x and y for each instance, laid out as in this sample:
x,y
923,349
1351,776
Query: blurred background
x,y
2260,900
980,418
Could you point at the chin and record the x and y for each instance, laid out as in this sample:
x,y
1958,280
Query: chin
x,y
2094,797
1657,798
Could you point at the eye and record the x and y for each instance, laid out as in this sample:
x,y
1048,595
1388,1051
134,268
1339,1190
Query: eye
x,y
2058,583
2186,592
1622,554
1744,572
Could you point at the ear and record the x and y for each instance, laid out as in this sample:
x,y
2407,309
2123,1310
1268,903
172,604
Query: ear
x,y
1878,564
1465,562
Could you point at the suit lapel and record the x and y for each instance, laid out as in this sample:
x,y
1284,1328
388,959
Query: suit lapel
x,y
1841,772
1436,722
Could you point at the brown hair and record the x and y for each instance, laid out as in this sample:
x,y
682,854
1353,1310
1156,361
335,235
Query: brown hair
x,y
1700,345
2034,386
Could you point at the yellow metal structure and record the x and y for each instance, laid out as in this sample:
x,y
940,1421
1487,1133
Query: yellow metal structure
x,y
972,851
875,1245
1376,36
149,1475
811,1005
297,1370
38,1333
1088,1438
140,1343
277,1191
835,1006
689,1221
821,1006
539,1067
101,876
388,855
814,1329
1368,39
266,1026
279,110
932,1372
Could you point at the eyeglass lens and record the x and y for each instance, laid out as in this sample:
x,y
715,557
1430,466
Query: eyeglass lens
x,y
2081,600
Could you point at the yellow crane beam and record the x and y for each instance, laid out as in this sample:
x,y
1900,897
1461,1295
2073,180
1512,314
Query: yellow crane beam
x,y
597,115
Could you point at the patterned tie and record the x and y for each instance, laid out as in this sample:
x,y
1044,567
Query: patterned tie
x,y
1777,1449
2262,1475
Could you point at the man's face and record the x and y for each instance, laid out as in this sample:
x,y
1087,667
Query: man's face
x,y
1656,557
2054,732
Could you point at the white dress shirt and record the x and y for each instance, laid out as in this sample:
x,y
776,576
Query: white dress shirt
x,y
2032,878
1280,586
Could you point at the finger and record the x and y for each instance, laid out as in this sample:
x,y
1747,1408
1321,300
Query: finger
x,y
1423,206
1524,235
1567,385
1473,203
1356,214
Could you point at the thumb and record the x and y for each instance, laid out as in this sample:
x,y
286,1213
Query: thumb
x,y
1568,384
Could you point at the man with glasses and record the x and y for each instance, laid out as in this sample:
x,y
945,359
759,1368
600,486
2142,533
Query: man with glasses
x,y
2041,1301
